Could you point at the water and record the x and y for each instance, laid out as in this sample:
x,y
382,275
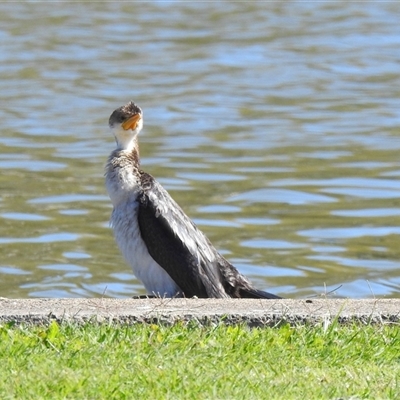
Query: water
x,y
276,126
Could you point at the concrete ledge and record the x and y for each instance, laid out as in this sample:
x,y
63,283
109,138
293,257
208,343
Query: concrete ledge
x,y
202,311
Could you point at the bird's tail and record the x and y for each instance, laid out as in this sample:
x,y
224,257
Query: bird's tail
x,y
257,294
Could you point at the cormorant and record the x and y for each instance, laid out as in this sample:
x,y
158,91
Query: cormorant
x,y
167,251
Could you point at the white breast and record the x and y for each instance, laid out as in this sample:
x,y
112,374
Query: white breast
x,y
127,234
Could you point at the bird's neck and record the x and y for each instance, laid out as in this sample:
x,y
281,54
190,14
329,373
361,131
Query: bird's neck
x,y
127,143
132,155
130,149
125,156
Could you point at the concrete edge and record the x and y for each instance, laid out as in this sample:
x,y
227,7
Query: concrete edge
x,y
201,311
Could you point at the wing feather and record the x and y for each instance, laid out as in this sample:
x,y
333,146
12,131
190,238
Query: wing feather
x,y
184,252
176,243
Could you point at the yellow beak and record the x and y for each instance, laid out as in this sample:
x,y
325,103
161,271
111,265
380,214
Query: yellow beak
x,y
132,122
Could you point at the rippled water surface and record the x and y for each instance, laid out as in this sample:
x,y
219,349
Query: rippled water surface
x,y
276,126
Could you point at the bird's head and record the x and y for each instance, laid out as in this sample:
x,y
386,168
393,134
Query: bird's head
x,y
126,122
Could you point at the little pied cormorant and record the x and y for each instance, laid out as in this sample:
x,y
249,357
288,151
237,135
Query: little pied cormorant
x,y
167,251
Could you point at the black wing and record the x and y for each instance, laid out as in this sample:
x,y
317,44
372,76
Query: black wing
x,y
176,244
184,252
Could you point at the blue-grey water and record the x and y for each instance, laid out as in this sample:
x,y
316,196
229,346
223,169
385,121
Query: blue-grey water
x,y
275,125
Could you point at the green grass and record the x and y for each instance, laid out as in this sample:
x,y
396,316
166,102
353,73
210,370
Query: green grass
x,y
191,362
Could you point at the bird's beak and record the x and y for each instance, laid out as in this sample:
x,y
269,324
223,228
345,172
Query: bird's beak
x,y
131,123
